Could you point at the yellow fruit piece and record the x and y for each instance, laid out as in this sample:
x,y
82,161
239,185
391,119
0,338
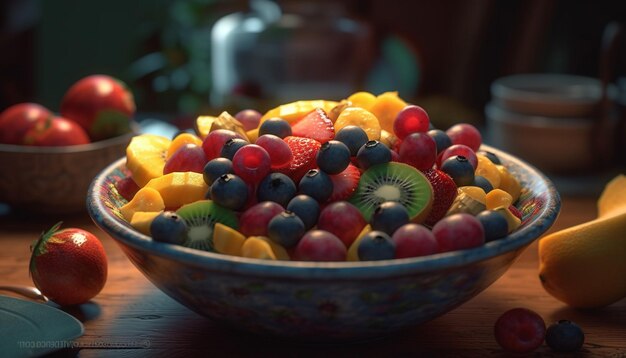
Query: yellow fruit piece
x,y
362,99
613,198
293,111
486,168
181,140
353,251
475,192
468,200
227,240
145,157
252,135
388,139
203,125
146,199
513,222
386,108
584,265
141,221
257,248
336,111
355,116
508,183
279,251
207,124
498,198
179,188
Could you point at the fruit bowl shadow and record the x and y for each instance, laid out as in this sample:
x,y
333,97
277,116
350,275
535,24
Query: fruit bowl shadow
x,y
316,301
54,180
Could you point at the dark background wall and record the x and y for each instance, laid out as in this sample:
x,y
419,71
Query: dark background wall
x,y
458,47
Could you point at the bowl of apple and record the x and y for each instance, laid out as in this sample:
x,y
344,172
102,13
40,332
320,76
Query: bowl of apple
x,y
322,220
47,160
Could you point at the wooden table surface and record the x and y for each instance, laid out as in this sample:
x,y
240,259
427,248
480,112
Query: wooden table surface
x,y
130,317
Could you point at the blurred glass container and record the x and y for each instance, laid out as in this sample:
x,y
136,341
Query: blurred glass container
x,y
274,54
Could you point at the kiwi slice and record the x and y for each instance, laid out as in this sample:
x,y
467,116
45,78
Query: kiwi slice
x,y
394,182
200,217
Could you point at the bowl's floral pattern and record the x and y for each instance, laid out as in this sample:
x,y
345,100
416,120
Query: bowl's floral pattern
x,y
319,301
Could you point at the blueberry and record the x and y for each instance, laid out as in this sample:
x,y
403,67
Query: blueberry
x,y
307,209
231,147
442,141
276,126
276,187
482,182
389,216
229,191
168,227
491,156
316,184
286,229
376,245
215,168
565,336
494,224
371,153
459,169
333,157
354,137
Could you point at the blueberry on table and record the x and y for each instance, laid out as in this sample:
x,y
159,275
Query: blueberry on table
x,y
565,336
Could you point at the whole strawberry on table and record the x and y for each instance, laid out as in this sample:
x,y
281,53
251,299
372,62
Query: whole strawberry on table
x,y
365,178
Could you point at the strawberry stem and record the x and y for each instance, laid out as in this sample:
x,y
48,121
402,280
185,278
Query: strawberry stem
x,y
39,247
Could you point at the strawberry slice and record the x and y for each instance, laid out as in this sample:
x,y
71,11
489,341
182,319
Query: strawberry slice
x,y
345,183
315,125
444,190
304,152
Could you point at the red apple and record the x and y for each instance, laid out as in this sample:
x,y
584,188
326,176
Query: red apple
x,y
55,132
101,104
18,119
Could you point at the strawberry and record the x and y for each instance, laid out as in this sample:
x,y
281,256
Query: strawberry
x,y
315,125
345,183
69,266
444,190
304,152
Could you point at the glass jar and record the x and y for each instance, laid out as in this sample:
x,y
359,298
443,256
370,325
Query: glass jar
x,y
275,54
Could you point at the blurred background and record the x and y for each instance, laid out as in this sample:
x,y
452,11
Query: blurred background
x,y
182,58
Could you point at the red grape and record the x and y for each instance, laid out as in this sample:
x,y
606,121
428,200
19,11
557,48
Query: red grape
x,y
464,133
252,163
411,119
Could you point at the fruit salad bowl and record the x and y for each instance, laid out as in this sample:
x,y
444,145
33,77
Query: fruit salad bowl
x,y
324,301
54,180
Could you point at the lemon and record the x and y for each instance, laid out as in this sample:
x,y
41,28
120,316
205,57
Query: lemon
x,y
585,265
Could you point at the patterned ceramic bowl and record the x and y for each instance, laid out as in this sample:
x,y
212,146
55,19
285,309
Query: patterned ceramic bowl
x,y
324,301
54,180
